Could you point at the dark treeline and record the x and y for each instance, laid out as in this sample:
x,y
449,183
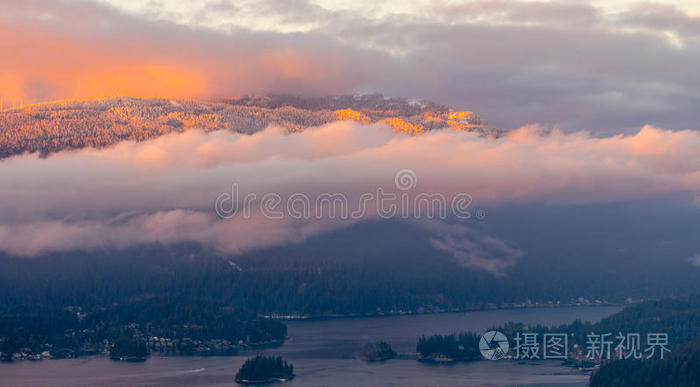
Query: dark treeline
x,y
454,347
679,317
264,369
177,325
681,368
127,347
378,351
275,282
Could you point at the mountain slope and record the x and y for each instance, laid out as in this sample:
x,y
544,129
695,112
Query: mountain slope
x,y
73,124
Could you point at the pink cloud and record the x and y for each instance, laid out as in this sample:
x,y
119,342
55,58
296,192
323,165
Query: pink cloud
x,y
165,190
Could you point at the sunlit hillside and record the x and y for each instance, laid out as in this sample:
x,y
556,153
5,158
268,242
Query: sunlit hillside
x,y
71,124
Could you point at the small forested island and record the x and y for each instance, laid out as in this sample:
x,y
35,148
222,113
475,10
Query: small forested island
x,y
378,351
448,348
264,369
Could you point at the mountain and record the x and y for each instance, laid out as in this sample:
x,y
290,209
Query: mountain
x,y
101,122
388,266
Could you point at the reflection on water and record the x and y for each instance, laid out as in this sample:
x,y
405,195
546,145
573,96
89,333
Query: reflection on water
x,y
323,351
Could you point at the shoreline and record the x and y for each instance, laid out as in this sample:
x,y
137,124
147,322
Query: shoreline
x,y
290,318
321,318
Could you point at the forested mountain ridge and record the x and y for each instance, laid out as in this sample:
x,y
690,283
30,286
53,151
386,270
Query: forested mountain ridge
x,y
386,267
680,319
680,369
100,122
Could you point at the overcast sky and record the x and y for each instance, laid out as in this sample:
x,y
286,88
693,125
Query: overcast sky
x,y
604,66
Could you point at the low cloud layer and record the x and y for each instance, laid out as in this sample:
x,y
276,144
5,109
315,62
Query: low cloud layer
x,y
165,190
472,248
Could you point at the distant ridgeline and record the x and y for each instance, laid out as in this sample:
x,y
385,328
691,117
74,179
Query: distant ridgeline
x,y
74,124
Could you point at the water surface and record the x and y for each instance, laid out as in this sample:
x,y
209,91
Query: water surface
x,y
323,353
